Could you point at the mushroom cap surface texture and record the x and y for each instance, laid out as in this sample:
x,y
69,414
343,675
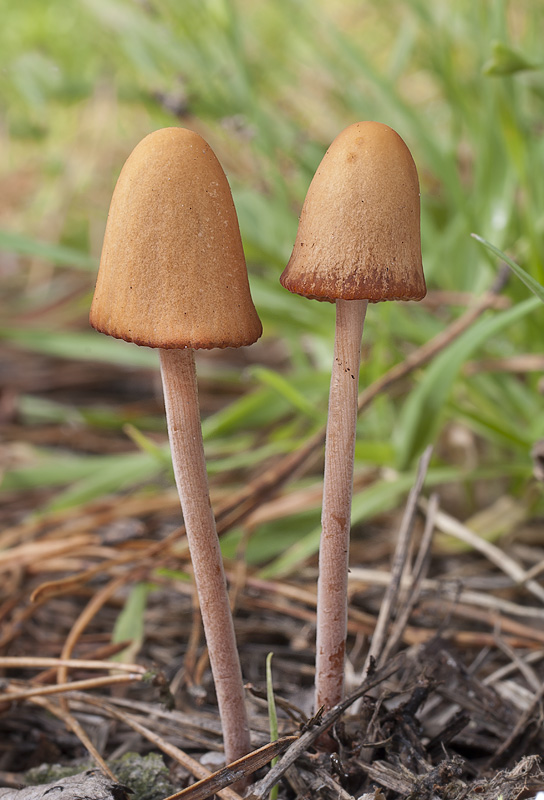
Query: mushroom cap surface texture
x,y
358,236
172,272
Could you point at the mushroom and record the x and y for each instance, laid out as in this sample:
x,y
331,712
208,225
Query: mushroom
x,y
173,276
358,241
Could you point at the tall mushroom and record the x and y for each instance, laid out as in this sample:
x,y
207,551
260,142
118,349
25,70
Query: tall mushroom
x,y
358,241
173,276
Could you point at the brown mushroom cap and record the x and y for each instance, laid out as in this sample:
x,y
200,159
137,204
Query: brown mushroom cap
x,y
173,272
358,236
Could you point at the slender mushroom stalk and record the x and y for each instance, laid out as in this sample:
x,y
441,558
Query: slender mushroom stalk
x,y
173,276
358,241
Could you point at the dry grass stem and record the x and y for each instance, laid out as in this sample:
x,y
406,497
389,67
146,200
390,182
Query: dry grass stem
x,y
234,772
507,669
399,564
447,587
411,596
13,694
449,525
96,602
35,662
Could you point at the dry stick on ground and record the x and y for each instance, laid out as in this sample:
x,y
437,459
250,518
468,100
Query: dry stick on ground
x,y
446,587
32,662
233,773
522,666
360,622
520,728
320,783
507,669
209,783
260,790
71,583
448,524
89,612
399,563
358,241
15,692
415,587
520,632
202,731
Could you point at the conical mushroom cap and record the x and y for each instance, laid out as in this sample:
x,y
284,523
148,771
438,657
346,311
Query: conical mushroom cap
x,y
173,272
358,236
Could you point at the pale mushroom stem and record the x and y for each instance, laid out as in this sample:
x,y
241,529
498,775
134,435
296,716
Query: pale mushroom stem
x,y
336,513
184,429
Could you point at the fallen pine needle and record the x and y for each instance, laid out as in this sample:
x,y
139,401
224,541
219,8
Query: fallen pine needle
x,y
33,662
61,688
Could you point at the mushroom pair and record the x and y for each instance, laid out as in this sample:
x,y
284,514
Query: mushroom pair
x,y
173,276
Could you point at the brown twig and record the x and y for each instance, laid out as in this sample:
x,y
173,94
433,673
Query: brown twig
x,y
399,563
448,524
35,662
519,728
306,739
14,693
416,583
88,613
232,773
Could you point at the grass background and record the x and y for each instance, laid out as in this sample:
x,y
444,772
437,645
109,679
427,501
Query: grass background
x,y
269,85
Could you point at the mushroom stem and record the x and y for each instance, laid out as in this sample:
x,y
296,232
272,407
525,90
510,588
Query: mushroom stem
x,y
336,511
184,429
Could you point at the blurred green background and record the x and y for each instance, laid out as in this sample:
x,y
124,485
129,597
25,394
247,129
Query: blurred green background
x,y
269,85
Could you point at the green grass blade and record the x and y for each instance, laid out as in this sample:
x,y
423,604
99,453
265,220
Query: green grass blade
x,y
287,390
272,716
506,61
115,474
524,276
381,496
81,346
420,418
55,253
129,625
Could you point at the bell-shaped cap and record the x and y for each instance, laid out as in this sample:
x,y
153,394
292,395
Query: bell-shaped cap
x,y
358,236
173,272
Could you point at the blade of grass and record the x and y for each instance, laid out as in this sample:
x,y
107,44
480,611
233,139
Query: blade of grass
x,y
524,276
55,253
129,625
420,417
382,496
272,716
